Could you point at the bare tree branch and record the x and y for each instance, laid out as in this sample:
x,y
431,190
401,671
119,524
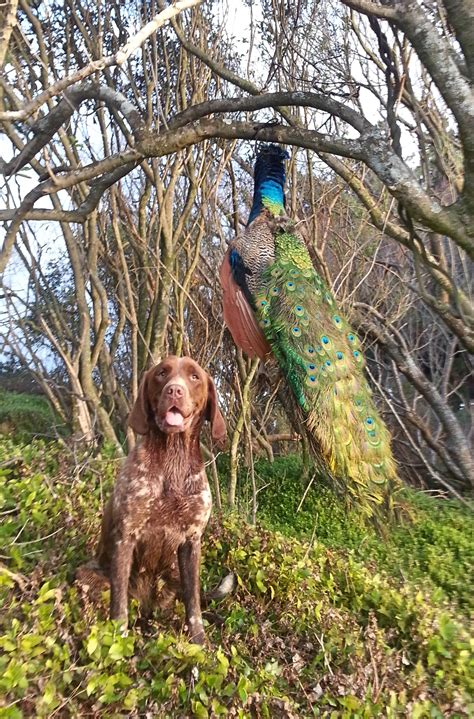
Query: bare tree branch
x,y
7,23
118,58
437,55
49,125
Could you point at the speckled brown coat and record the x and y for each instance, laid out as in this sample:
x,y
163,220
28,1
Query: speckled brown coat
x,y
150,542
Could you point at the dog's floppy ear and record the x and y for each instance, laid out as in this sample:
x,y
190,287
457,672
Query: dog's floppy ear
x,y
213,414
138,419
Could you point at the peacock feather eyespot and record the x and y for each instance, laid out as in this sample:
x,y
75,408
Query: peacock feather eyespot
x,y
304,321
370,422
294,273
320,350
351,337
307,273
338,322
275,291
263,303
296,332
311,380
290,286
328,363
325,340
309,349
311,366
339,355
358,356
329,298
264,323
299,310
375,443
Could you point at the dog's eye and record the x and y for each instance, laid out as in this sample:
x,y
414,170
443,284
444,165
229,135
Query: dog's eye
x,y
162,373
194,377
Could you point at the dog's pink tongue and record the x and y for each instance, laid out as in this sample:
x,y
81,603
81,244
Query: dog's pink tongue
x,y
174,418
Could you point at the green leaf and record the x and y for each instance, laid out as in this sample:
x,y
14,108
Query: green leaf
x,y
116,651
92,644
199,710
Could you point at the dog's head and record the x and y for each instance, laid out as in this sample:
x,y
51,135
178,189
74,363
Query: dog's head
x,y
176,396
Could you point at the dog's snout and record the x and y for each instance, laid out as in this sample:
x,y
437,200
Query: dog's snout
x,y
175,390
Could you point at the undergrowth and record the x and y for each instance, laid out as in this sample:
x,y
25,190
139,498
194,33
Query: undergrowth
x,y
327,623
436,547
28,416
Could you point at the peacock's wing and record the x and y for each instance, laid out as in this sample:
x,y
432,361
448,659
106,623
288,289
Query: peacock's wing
x,y
239,315
322,360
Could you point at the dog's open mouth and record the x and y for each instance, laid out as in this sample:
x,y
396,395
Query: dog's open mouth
x,y
174,417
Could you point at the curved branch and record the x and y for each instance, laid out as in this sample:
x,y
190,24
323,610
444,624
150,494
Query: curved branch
x,y
217,67
371,148
221,70
46,128
367,7
275,100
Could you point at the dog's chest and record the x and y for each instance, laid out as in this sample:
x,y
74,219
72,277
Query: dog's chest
x,y
154,506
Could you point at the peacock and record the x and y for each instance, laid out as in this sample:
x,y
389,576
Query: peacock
x,y
275,303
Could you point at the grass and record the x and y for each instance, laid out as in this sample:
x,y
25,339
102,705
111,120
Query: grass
x,y
327,623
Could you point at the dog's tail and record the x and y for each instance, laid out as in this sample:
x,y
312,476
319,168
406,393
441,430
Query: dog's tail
x,y
226,587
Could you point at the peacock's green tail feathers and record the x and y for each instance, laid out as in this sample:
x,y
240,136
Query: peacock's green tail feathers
x,y
321,357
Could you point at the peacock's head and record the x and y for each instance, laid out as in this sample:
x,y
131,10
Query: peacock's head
x,y
270,163
269,152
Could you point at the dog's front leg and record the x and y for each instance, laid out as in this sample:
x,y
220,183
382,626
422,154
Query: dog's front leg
x,y
189,558
120,567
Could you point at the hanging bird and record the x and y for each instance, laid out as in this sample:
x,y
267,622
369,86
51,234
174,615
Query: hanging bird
x,y
275,303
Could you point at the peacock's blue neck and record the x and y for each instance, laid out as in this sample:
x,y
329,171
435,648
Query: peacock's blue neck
x,y
269,183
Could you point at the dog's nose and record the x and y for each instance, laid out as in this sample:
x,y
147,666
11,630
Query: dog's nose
x,y
174,390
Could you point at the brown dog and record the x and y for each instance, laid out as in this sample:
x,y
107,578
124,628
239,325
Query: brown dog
x,y
150,544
